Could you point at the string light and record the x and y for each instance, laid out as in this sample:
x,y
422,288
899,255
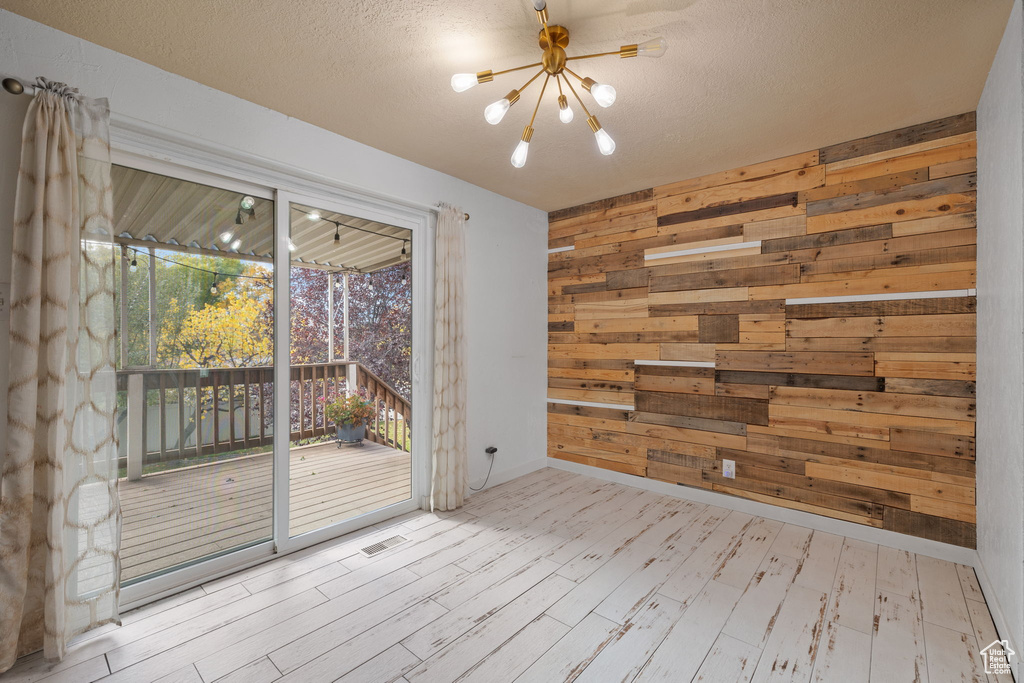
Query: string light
x,y
213,289
134,267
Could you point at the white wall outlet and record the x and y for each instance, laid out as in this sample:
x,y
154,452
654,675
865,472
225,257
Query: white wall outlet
x,y
729,469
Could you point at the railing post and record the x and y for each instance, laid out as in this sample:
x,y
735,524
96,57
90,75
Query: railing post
x,y
136,416
351,378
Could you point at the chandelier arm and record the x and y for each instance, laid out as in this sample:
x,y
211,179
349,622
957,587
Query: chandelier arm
x,y
539,99
596,54
578,77
525,85
558,82
518,68
585,110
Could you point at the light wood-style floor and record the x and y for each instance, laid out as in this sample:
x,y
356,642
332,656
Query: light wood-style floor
x,y
558,577
186,514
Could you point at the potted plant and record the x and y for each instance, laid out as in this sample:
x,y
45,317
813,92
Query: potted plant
x,y
349,413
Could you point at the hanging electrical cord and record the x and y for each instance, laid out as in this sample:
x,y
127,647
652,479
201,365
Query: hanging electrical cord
x,y
490,450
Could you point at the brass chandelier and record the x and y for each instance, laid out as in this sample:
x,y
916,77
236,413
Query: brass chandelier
x,y
554,63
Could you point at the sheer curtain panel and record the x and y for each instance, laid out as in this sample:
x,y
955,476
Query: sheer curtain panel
x,y
449,457
59,512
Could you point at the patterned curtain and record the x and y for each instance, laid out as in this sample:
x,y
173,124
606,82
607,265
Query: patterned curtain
x,y
450,472
60,519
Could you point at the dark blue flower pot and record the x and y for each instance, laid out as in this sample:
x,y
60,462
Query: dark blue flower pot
x,y
351,434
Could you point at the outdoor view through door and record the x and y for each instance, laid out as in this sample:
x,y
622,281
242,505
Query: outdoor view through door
x,y
195,373
351,347
196,303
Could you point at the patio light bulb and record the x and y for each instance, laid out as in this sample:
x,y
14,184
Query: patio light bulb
x,y
134,267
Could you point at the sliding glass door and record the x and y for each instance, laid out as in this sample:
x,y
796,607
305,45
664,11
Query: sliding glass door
x,y
269,357
195,296
350,383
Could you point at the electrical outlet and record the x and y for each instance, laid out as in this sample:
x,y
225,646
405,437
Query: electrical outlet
x,y
729,469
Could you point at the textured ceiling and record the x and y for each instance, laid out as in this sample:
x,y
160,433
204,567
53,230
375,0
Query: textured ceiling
x,y
743,80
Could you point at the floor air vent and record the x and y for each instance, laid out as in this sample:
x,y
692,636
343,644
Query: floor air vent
x,y
376,548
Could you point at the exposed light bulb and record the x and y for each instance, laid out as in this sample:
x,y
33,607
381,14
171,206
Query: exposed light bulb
x,y
337,235
213,289
236,244
226,236
519,155
540,5
247,203
463,82
291,246
495,111
604,141
313,215
134,267
603,93
654,47
564,110
523,148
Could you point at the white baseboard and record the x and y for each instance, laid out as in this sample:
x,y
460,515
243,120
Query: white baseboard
x,y
921,546
510,473
995,608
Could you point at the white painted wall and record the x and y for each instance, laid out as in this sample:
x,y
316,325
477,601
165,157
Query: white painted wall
x,y
506,243
1000,447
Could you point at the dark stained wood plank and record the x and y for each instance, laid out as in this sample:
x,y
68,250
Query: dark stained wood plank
x,y
853,309
923,190
892,181
588,411
760,204
883,344
902,137
790,446
628,279
766,460
682,459
686,422
815,363
742,277
746,410
566,326
590,364
793,379
930,387
929,526
719,329
756,307
948,445
589,385
828,239
927,257
601,205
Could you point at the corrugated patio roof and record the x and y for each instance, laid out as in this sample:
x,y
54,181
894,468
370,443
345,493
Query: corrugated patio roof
x,y
152,210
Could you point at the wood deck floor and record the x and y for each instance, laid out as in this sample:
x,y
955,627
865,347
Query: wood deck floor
x,y
186,514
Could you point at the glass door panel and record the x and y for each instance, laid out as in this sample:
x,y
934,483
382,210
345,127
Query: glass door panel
x,y
350,377
195,373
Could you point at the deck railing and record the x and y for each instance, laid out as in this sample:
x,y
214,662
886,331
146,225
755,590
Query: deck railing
x,y
180,414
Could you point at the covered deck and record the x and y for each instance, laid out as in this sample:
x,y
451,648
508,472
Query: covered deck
x,y
190,513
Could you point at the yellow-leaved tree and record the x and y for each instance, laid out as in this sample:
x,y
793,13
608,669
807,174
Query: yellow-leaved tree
x,y
236,330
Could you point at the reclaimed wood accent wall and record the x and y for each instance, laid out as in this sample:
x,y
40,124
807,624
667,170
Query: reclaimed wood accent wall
x,y
811,318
